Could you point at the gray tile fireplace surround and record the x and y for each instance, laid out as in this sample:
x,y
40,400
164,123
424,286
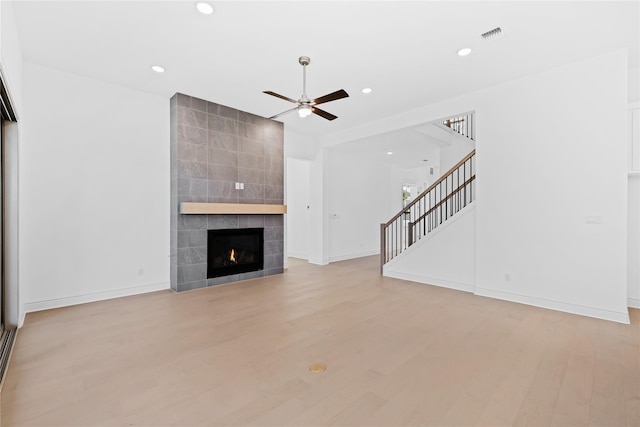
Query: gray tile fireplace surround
x,y
212,148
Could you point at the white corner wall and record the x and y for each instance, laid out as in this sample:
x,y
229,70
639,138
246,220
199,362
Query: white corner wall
x,y
94,190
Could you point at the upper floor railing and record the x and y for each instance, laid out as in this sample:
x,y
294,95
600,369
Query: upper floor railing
x,y
462,124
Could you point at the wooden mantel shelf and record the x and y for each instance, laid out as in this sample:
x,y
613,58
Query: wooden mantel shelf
x,y
231,209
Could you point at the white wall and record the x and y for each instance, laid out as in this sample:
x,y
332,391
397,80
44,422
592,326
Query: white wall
x,y
445,257
634,137
299,146
11,53
634,85
361,195
633,243
94,190
357,202
551,151
550,154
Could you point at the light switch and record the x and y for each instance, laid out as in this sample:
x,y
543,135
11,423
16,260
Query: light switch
x,y
593,219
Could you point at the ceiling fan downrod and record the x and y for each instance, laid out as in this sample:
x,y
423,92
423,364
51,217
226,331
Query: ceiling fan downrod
x,y
304,61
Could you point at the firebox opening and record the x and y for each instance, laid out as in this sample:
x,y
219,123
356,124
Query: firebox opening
x,y
234,251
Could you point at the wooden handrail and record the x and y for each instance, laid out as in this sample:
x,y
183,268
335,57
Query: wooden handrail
x,y
443,201
431,187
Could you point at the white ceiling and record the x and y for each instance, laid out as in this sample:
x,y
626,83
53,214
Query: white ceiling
x,y
409,147
405,51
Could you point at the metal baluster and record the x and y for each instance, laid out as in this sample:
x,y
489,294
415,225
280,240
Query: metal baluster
x,y
471,186
390,241
449,193
395,238
399,237
440,197
386,244
385,256
464,179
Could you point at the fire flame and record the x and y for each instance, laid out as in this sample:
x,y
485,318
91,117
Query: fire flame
x,y
232,257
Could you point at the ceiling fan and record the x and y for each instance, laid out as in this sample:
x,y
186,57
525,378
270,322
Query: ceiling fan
x,y
306,106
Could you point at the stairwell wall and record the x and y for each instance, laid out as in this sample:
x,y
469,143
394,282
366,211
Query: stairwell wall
x,y
551,157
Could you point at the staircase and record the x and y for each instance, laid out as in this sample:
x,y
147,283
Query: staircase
x,y
443,199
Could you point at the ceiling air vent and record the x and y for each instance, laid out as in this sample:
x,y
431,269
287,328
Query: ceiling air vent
x,y
492,34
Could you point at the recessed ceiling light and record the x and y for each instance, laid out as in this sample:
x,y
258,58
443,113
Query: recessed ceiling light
x,y
204,8
464,52
157,68
389,153
366,90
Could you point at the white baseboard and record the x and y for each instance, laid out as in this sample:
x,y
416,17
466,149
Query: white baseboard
x,y
633,302
298,255
93,297
613,316
353,255
466,287
318,261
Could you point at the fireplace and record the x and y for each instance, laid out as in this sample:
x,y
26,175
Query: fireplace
x,y
234,251
244,149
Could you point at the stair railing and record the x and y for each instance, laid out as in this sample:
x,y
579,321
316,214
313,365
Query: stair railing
x,y
444,198
462,124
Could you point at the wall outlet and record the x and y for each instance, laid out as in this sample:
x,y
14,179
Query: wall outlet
x,y
140,271
507,277
239,185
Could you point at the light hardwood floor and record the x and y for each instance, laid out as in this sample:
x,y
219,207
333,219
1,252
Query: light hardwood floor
x,y
397,353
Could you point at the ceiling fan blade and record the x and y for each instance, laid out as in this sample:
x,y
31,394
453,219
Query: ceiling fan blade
x,y
277,95
283,113
323,113
339,94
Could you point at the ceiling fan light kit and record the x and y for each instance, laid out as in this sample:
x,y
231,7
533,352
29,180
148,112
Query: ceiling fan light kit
x,y
304,110
306,106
